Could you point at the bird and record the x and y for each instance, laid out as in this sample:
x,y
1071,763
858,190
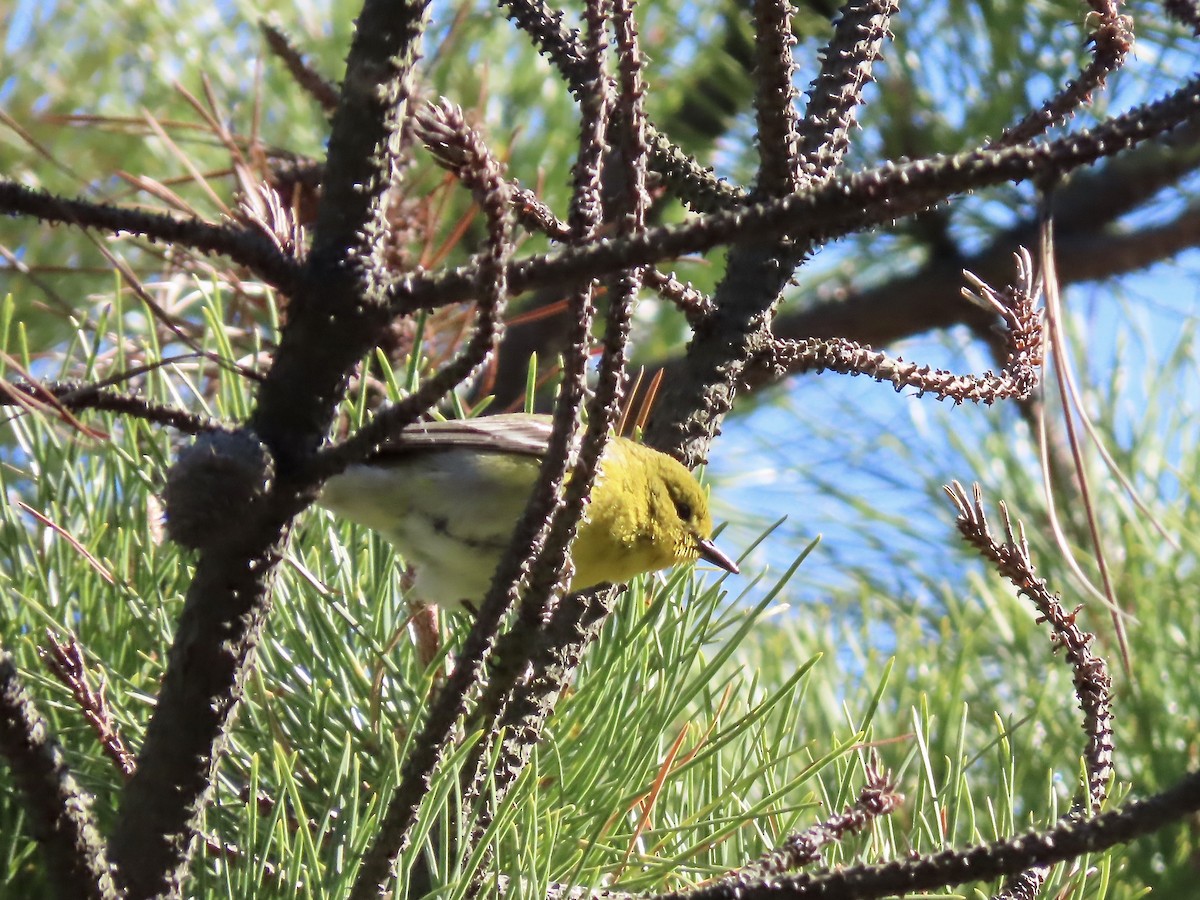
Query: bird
x,y
448,495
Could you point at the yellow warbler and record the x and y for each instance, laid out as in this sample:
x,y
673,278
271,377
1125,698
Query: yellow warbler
x,y
449,494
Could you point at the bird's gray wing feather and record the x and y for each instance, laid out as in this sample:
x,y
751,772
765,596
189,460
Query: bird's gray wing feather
x,y
516,433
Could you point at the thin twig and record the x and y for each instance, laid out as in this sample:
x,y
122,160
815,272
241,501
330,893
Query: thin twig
x,y
1093,686
878,797
1017,308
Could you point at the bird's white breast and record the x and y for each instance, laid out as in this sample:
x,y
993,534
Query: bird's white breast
x,y
450,513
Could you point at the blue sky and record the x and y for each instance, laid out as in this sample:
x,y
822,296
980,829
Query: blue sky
x,y
831,444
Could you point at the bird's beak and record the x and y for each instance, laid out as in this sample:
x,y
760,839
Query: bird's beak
x,y
709,552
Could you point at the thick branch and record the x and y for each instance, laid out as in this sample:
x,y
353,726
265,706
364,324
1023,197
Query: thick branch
x,y
75,395
59,810
694,184
778,138
1112,39
337,314
833,209
1068,840
837,91
242,245
335,317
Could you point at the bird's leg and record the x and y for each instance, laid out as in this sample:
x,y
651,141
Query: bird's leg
x,y
425,631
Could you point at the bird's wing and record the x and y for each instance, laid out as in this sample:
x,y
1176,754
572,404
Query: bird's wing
x,y
519,433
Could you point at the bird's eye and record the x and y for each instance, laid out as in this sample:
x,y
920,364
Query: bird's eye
x,y
683,509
